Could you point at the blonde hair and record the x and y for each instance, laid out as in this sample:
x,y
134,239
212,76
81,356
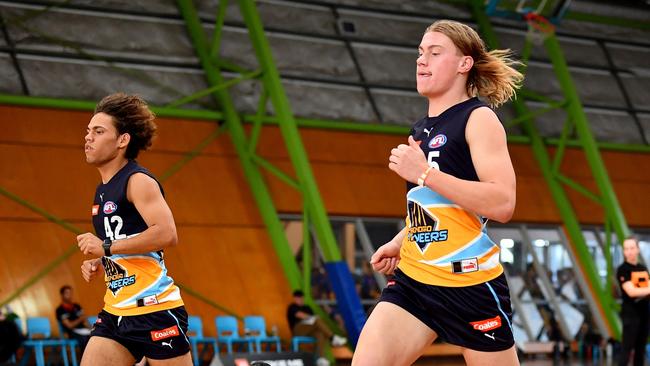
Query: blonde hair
x,y
493,75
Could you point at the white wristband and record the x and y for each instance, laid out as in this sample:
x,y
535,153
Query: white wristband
x,y
424,176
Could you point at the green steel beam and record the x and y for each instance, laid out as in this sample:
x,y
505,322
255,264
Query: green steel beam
x,y
257,123
275,171
212,89
567,130
288,128
605,303
215,46
337,125
533,114
581,125
86,105
232,119
578,188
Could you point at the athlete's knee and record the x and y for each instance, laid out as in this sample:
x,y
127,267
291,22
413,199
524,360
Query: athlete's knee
x,y
364,356
367,359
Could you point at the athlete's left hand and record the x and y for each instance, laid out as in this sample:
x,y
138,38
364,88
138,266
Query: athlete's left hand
x,y
89,244
408,161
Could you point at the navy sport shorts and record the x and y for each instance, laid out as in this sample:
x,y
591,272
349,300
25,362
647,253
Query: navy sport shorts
x,y
476,317
159,335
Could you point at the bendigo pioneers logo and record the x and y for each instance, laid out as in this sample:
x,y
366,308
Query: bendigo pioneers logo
x,y
116,276
423,227
487,324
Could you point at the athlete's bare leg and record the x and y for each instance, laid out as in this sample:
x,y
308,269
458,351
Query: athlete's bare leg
x,y
391,337
102,351
501,358
184,360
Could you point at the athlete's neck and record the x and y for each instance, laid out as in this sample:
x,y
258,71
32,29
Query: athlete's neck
x,y
440,103
110,168
633,262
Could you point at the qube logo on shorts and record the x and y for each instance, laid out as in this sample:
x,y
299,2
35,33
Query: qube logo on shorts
x,y
158,335
487,324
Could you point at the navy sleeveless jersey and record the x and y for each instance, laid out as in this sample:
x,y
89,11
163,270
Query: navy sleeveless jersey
x,y
136,284
443,140
445,244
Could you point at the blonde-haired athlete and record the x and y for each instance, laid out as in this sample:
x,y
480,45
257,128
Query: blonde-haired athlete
x,y
448,281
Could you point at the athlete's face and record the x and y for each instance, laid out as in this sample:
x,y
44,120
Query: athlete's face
x,y
103,143
439,64
630,250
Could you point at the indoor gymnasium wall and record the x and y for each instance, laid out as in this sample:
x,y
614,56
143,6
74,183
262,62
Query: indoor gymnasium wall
x,y
224,252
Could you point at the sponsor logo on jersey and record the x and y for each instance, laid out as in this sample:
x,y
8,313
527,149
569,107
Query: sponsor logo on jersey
x,y
116,276
157,335
110,207
465,265
150,300
424,227
95,210
437,141
487,324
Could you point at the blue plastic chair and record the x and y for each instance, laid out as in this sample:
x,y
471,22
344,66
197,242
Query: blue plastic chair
x,y
256,325
297,340
92,320
41,326
72,343
195,334
228,333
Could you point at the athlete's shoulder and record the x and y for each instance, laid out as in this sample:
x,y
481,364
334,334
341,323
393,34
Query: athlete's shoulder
x,y
484,117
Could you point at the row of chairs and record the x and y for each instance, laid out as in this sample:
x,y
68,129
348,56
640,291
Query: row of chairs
x,y
40,327
227,333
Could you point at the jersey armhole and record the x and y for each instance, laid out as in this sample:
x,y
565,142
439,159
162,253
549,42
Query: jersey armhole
x,y
128,179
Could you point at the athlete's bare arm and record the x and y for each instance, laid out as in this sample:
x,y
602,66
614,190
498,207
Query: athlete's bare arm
x,y
145,194
633,291
70,324
494,195
386,258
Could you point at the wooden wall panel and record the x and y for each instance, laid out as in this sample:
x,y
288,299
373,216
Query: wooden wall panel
x,y
224,251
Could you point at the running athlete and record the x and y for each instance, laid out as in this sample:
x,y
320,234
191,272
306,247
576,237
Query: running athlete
x,y
143,313
448,281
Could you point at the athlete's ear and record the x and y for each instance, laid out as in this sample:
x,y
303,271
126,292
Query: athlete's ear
x,y
124,140
466,63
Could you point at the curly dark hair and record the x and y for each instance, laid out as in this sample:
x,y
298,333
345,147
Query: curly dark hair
x,y
131,115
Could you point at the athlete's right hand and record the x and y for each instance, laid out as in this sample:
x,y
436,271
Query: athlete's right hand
x,y
90,268
386,258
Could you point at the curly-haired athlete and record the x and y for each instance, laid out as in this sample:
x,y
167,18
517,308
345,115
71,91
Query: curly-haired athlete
x,y
448,281
143,313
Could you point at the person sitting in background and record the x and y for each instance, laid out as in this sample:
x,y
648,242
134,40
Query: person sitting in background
x,y
303,322
71,317
10,337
